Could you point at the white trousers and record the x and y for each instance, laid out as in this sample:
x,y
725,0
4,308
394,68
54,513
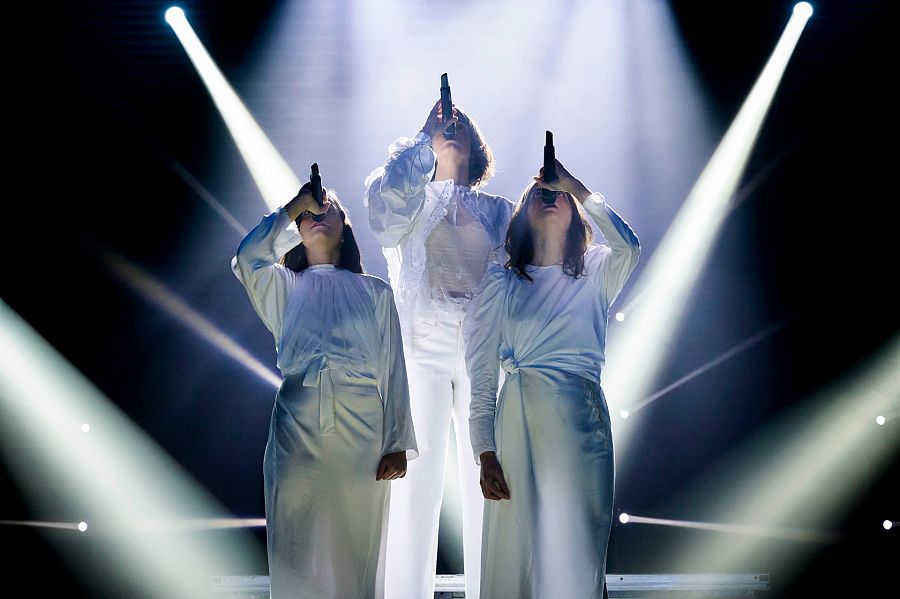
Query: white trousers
x,y
439,391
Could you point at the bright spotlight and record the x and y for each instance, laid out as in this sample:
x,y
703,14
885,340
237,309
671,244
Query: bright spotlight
x,y
623,518
85,427
887,524
803,10
176,14
624,414
879,420
82,526
620,316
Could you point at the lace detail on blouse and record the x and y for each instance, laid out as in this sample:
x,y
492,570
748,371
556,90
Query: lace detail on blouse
x,y
414,261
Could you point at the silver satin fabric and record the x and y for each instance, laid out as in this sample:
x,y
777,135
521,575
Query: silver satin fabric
x,y
555,446
325,512
343,404
550,426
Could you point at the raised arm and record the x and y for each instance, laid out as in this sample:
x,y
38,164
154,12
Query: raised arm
x,y
619,259
395,192
616,264
256,264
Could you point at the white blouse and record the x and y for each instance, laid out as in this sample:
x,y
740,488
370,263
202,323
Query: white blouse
x,y
556,322
327,317
407,209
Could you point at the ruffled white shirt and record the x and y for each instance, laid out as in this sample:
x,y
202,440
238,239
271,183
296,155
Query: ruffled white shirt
x,y
406,207
556,322
327,317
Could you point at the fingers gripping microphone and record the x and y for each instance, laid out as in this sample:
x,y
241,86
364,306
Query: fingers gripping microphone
x,y
447,107
547,195
315,182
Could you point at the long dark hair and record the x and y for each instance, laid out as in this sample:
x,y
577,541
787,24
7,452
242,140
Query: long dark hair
x,y
481,158
520,239
350,258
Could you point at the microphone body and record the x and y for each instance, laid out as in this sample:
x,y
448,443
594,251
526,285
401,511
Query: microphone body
x,y
447,107
315,181
547,195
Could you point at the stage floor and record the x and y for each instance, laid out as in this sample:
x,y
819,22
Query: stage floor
x,y
631,586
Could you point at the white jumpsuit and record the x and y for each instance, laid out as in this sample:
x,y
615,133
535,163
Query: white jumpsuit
x,y
438,239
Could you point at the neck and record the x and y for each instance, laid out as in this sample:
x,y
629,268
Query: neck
x,y
320,255
450,166
548,249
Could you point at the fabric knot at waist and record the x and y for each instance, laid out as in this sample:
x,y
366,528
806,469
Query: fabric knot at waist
x,y
510,365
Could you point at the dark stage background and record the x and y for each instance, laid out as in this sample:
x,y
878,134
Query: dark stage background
x,y
106,107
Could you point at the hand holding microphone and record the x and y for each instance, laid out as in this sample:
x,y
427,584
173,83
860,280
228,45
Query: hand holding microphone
x,y
554,177
441,120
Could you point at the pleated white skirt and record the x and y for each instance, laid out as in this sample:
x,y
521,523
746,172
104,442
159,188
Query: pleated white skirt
x,y
554,443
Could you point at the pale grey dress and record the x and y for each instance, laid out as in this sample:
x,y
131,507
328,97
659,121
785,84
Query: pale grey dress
x,y
550,426
343,404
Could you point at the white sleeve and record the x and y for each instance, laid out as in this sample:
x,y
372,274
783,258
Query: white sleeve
x,y
256,266
395,192
483,333
616,262
398,433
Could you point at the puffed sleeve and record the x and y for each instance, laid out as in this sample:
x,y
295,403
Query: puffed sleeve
x,y
256,265
482,330
610,266
395,192
398,433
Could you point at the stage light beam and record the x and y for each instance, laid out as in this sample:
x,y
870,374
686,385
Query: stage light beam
x,y
276,181
161,296
118,480
667,280
775,479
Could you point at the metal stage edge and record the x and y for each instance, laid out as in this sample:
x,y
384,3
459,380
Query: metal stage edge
x,y
631,586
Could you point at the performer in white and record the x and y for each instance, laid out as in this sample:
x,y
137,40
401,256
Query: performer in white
x,y
543,318
341,421
439,233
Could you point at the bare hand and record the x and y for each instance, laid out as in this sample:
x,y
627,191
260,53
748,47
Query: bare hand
x,y
435,124
392,466
493,483
305,202
564,182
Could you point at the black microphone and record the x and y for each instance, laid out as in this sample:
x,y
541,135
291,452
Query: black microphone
x,y
447,107
547,195
316,184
